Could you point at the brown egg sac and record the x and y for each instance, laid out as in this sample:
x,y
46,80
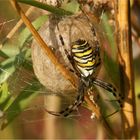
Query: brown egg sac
x,y
71,28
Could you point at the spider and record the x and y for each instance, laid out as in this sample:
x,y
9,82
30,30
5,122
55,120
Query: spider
x,y
85,59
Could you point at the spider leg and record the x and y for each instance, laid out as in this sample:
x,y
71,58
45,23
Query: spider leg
x,y
109,87
111,114
78,101
70,58
74,106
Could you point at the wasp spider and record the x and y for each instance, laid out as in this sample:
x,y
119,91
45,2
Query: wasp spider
x,y
85,59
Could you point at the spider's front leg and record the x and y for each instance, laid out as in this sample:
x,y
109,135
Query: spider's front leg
x,y
70,57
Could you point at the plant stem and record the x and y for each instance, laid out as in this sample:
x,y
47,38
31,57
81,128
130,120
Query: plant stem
x,y
129,122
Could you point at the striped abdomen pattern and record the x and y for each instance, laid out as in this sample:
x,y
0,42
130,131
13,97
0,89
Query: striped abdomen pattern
x,y
84,57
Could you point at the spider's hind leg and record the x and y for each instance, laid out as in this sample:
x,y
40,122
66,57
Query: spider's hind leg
x,y
74,106
109,87
77,102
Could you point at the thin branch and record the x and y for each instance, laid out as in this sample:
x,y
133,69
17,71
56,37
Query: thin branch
x,y
19,23
126,68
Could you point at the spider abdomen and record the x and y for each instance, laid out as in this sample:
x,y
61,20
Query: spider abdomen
x,y
84,58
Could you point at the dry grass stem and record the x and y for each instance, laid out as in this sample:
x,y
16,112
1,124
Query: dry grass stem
x,y
129,123
19,23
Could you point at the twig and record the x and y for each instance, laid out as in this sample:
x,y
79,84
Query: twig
x,y
19,23
129,122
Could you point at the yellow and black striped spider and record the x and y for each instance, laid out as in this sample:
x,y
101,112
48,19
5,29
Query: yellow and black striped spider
x,y
85,59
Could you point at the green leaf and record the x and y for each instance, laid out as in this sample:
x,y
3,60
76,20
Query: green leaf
x,y
4,106
72,6
110,35
21,102
50,8
9,49
110,64
7,68
111,67
26,34
4,93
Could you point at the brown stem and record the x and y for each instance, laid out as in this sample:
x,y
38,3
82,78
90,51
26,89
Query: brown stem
x,y
129,122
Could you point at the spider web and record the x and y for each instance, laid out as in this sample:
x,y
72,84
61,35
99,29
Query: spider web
x,y
21,81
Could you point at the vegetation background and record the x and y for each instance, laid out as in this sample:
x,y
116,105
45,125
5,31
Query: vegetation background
x,y
33,121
